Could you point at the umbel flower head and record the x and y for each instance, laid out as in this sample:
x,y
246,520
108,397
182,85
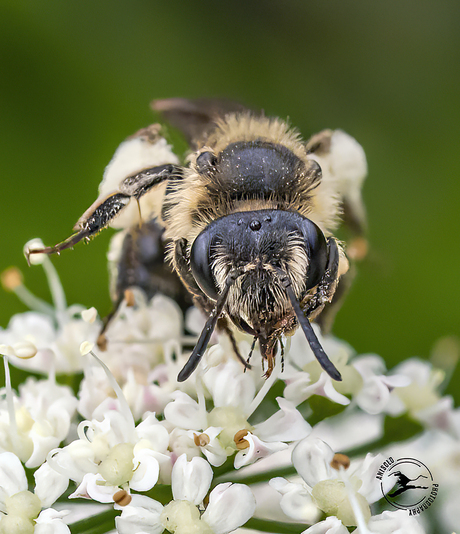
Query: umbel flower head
x,y
225,449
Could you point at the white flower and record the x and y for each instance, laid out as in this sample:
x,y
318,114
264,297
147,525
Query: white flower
x,y
330,491
230,505
225,429
304,376
397,522
330,525
20,509
36,421
374,395
421,395
112,454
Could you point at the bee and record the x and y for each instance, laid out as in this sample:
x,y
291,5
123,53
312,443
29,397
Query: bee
x,y
247,223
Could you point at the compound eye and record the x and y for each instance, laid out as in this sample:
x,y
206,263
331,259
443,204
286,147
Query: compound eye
x,y
200,263
316,247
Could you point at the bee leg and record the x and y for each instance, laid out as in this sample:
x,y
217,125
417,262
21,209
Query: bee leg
x,y
250,353
282,355
326,288
268,352
326,317
90,223
101,213
181,265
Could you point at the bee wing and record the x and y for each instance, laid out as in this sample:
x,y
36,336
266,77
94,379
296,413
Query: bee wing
x,y
194,117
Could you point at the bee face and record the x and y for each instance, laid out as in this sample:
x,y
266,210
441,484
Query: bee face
x,y
247,223
259,245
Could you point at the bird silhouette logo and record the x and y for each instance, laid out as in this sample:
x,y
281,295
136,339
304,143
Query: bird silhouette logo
x,y
407,484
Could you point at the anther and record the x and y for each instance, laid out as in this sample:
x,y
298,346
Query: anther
x,y
201,440
129,298
122,498
11,278
340,460
239,440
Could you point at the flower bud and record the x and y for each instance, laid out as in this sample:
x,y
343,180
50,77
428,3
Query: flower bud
x,y
117,467
24,350
24,503
34,244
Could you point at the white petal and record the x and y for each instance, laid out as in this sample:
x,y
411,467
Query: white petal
x,y
50,522
396,381
229,385
230,506
366,471
49,484
398,522
295,502
257,449
296,389
285,425
12,476
191,480
92,487
331,525
374,396
184,412
155,432
311,458
146,470
141,516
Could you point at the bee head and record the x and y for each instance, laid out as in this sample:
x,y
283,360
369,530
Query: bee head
x,y
260,245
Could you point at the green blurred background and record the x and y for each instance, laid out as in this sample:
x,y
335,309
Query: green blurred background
x,y
77,78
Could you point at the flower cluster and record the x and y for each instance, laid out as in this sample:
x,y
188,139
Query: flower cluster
x,y
225,451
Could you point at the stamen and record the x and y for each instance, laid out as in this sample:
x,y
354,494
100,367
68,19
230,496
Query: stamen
x,y
10,405
54,282
12,281
360,520
265,388
87,348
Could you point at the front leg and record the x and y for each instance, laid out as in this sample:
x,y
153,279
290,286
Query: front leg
x,y
182,268
325,290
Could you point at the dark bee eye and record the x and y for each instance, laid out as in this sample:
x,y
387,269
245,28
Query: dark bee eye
x,y
200,263
317,252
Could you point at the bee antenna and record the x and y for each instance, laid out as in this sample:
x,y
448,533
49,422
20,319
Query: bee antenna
x,y
312,339
208,329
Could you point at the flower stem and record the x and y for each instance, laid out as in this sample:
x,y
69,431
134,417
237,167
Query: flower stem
x,y
275,526
96,524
